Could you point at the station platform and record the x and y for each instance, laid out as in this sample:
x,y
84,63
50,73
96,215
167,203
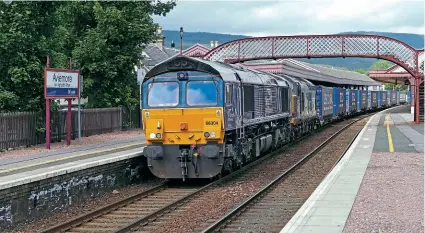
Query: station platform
x,y
376,187
18,170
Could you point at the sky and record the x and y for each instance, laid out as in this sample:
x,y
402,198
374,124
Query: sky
x,y
295,17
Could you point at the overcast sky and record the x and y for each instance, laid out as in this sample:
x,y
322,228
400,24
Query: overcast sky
x,y
292,17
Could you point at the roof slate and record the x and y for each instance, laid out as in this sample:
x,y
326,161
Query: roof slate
x,y
155,55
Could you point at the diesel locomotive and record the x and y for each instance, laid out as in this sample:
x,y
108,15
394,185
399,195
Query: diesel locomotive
x,y
202,119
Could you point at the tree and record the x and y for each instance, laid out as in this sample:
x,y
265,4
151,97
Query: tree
x,y
381,65
104,40
26,30
361,71
390,86
108,40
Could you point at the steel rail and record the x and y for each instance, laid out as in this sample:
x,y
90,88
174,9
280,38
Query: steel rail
x,y
103,210
219,224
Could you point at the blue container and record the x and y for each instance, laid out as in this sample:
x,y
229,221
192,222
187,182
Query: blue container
x,y
374,99
358,100
324,102
352,100
369,100
363,100
339,101
384,98
393,98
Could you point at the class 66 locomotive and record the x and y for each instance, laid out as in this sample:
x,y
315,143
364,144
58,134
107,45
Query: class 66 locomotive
x,y
203,119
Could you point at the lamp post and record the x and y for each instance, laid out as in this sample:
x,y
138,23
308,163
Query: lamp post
x,y
181,40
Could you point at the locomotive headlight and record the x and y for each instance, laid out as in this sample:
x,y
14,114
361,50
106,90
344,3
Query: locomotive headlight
x,y
206,134
158,135
213,134
152,135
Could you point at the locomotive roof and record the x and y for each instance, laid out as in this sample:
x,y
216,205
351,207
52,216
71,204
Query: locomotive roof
x,y
183,63
300,80
225,71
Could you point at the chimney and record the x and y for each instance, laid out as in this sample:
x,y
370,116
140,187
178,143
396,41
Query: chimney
x,y
213,43
160,41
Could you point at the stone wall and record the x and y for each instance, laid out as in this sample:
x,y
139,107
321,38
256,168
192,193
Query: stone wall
x,y
34,200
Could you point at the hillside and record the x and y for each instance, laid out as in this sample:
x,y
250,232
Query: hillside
x,y
191,38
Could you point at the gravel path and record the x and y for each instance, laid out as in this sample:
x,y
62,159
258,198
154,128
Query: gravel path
x,y
193,216
85,141
90,205
391,196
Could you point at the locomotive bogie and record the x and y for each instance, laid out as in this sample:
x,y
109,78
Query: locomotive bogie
x,y
172,161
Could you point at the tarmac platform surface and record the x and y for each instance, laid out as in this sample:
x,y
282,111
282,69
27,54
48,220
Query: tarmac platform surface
x,y
359,194
28,168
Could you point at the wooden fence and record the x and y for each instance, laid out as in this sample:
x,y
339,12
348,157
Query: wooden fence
x,y
19,129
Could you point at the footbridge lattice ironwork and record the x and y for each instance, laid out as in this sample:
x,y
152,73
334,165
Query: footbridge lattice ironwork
x,y
319,46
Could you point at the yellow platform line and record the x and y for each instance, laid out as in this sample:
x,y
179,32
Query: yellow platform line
x,y
70,157
390,139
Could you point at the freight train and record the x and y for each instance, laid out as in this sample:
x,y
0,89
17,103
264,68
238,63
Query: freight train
x,y
203,119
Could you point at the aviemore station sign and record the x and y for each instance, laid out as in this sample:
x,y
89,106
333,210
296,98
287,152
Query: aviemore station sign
x,y
60,84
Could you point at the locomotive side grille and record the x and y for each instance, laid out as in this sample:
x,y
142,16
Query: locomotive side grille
x,y
259,101
270,96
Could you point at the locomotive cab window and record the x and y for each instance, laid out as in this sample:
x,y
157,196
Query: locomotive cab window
x,y
202,93
229,94
163,94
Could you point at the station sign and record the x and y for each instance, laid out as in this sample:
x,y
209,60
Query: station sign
x,y
61,84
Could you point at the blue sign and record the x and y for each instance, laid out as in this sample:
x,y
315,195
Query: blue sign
x,y
51,91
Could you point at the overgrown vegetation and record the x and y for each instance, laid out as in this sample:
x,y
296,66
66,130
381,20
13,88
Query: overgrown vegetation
x,y
104,40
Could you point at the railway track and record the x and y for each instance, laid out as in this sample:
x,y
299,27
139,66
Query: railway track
x,y
274,205
146,211
112,217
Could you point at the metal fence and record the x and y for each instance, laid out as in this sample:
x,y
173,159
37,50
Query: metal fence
x,y
19,129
